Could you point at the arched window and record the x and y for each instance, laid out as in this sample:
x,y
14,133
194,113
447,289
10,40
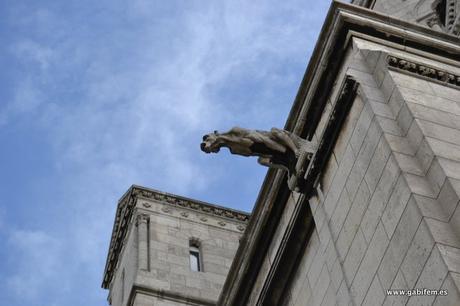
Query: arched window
x,y
195,256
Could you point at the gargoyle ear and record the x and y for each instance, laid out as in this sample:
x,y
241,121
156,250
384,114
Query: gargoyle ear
x,y
215,132
205,137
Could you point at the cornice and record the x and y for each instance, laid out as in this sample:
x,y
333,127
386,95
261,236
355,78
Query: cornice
x,y
125,212
424,71
179,201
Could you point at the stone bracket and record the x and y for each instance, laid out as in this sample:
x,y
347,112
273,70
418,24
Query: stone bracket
x,y
329,137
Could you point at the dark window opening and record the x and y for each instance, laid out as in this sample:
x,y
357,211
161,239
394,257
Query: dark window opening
x,y
195,257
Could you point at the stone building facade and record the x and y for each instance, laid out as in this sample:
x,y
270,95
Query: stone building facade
x,y
170,250
379,209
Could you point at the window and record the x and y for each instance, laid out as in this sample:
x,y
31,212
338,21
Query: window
x,y
195,257
123,285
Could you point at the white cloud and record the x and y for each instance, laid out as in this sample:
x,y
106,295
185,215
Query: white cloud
x,y
29,50
37,262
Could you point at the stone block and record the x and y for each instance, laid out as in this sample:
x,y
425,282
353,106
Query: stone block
x,y
382,109
399,283
348,127
343,295
352,221
418,253
320,287
424,155
444,149
337,275
452,298
363,159
354,256
315,267
363,78
451,168
369,264
377,164
430,207
360,130
399,144
396,205
408,164
396,101
440,132
375,295
380,198
451,257
414,135
387,87
339,215
404,81
329,298
390,126
372,93
445,92
328,174
443,232
436,176
399,244
338,182
304,295
404,118
420,185
434,115
432,277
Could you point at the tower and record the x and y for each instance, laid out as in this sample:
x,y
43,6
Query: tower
x,y
169,250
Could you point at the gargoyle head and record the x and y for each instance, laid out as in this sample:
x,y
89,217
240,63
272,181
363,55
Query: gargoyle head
x,y
210,143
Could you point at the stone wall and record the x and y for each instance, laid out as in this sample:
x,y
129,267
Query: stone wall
x,y
156,255
386,214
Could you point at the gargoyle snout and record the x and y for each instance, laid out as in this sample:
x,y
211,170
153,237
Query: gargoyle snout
x,y
203,147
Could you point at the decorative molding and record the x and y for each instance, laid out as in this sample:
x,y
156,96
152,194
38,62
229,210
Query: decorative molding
x,y
435,74
190,204
166,209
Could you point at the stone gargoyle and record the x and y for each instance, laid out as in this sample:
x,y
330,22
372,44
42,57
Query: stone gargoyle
x,y
275,148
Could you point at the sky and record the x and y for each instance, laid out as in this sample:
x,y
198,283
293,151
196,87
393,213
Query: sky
x,y
98,95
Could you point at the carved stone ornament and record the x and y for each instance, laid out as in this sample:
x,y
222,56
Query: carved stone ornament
x,y
142,218
240,228
166,209
222,223
146,204
184,214
445,16
438,75
275,148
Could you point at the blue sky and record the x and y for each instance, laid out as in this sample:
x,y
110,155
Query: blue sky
x,y
99,95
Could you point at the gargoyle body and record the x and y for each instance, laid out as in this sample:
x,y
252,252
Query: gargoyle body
x,y
275,148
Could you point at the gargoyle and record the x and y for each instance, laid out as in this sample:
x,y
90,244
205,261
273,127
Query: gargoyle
x,y
275,148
